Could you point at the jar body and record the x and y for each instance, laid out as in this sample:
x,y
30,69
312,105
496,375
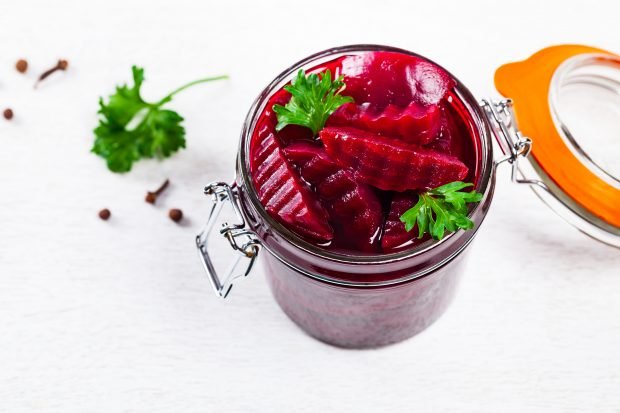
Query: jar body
x,y
363,304
353,317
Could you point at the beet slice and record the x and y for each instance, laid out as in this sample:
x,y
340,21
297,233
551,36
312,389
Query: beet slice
x,y
394,233
284,195
444,141
390,164
354,207
383,78
414,123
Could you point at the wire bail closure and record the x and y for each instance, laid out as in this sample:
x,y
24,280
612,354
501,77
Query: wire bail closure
x,y
514,145
240,238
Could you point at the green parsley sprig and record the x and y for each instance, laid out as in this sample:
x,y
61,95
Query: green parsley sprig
x,y
440,209
131,129
313,99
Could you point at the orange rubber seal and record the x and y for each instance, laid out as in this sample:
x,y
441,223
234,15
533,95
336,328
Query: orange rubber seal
x,y
527,83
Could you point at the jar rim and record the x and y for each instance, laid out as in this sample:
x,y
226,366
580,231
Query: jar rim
x,y
244,171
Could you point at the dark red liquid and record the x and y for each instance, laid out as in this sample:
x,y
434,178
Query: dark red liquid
x,y
398,98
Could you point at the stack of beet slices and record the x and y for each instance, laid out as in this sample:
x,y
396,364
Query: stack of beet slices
x,y
346,189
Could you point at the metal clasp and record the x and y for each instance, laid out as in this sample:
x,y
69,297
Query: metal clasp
x,y
240,238
513,144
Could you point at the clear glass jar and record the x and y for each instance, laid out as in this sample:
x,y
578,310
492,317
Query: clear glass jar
x,y
361,301
347,300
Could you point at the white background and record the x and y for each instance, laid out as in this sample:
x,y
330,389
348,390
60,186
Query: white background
x,y
118,316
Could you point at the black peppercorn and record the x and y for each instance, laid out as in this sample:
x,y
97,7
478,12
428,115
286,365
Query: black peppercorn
x,y
175,214
104,214
21,66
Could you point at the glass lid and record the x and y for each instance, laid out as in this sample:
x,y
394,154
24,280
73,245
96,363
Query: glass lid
x,y
567,101
585,104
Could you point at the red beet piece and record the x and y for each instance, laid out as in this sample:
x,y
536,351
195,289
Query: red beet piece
x,y
415,123
429,82
354,207
444,140
390,164
284,195
383,78
453,138
394,233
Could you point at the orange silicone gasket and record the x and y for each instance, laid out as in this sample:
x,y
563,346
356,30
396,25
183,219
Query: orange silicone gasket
x,y
527,83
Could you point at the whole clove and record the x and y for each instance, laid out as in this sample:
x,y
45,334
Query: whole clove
x,y
8,114
175,214
21,66
105,214
151,197
60,65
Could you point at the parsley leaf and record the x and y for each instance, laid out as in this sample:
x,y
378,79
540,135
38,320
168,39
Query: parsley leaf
x,y
313,99
440,209
131,129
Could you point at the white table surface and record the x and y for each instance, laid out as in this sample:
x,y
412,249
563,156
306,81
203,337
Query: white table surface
x,y
118,316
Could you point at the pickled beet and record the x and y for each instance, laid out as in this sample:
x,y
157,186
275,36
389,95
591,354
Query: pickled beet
x,y
383,78
285,196
394,233
415,123
345,190
390,164
354,207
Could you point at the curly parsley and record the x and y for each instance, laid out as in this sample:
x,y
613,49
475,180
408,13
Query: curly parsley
x,y
313,99
440,209
131,129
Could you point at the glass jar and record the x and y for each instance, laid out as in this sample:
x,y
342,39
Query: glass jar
x,y
356,301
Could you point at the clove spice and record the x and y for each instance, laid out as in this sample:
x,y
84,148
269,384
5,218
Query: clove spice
x,y
8,114
151,197
60,65
21,66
